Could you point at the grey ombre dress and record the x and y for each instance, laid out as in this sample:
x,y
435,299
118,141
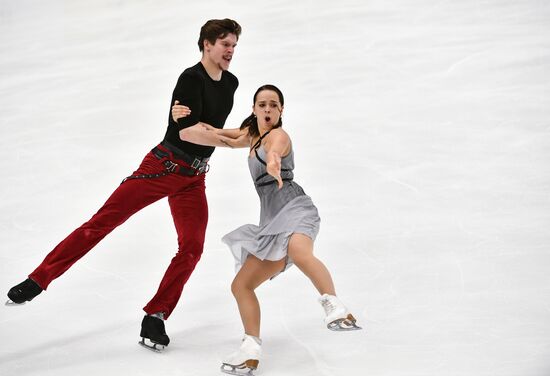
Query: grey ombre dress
x,y
282,212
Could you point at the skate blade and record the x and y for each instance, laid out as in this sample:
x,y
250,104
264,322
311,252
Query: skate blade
x,y
237,371
344,325
245,368
153,347
11,303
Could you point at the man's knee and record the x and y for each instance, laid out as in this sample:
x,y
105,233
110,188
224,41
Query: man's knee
x,y
188,257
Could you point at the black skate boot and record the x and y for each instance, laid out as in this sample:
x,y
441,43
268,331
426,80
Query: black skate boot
x,y
23,292
152,328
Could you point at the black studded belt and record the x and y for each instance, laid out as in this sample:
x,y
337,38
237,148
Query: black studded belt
x,y
192,160
197,165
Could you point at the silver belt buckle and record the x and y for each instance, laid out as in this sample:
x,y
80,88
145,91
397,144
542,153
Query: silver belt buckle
x,y
196,163
202,169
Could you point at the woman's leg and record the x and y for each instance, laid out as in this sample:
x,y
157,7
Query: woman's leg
x,y
252,274
300,250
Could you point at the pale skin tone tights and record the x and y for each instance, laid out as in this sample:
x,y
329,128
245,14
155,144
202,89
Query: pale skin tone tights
x,y
254,272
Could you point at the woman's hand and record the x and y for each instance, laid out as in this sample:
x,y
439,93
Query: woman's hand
x,y
273,167
179,111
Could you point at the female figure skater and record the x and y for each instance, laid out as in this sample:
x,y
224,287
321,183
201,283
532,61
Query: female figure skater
x,y
289,223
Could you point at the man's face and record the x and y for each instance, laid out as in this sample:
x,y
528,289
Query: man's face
x,y
222,51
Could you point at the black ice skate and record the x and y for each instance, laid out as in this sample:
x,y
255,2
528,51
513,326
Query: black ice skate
x,y
23,292
152,329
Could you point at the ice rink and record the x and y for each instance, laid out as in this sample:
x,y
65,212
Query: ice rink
x,y
421,131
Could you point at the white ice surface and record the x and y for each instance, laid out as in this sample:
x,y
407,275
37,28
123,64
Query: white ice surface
x,y
421,130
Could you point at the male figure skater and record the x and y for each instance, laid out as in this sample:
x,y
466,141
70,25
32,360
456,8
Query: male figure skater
x,y
175,169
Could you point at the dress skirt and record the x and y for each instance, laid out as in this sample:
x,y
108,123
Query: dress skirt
x,y
270,241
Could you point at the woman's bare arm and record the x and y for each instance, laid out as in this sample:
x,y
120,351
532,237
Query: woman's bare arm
x,y
276,147
198,134
205,134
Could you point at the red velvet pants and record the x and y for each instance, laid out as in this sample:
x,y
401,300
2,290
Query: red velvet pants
x,y
189,208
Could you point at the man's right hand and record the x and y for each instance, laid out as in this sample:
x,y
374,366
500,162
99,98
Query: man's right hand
x,y
179,111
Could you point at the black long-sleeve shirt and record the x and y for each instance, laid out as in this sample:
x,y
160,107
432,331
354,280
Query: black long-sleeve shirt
x,y
210,102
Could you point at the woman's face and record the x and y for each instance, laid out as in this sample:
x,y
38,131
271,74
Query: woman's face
x,y
268,109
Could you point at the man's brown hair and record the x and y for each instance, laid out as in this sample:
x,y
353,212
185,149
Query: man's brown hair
x,y
218,29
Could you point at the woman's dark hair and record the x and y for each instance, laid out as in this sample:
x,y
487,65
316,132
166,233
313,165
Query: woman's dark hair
x,y
251,122
218,29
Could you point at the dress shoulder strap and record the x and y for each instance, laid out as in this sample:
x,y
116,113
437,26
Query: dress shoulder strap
x,y
257,145
259,142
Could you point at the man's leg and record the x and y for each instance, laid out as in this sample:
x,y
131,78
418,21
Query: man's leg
x,y
190,213
130,197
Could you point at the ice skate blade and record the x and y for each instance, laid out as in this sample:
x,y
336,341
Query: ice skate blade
x,y
246,368
153,347
344,325
11,303
237,371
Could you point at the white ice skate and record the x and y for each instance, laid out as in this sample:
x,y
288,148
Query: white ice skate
x,y
338,318
245,360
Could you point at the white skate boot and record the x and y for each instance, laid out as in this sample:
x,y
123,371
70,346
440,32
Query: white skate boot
x,y
246,359
337,317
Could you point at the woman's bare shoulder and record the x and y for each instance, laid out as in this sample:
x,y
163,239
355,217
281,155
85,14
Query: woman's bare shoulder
x,y
280,134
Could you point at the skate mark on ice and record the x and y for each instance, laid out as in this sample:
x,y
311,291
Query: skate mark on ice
x,y
321,366
111,274
388,176
465,59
